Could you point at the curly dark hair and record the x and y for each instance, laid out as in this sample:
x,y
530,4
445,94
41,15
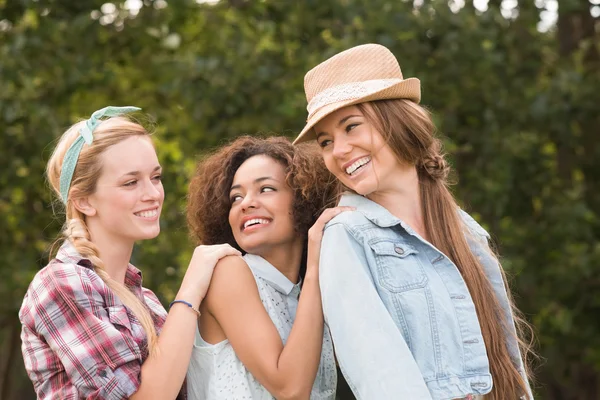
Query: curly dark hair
x,y
208,205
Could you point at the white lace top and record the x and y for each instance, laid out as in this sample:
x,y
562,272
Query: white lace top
x,y
215,372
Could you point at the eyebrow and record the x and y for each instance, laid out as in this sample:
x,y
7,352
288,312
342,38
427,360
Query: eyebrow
x,y
135,173
346,118
257,180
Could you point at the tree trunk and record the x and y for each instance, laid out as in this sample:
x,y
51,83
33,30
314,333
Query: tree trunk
x,y
8,357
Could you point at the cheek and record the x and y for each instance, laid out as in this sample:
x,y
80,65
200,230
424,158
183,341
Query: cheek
x,y
285,207
231,219
118,200
161,191
387,160
330,163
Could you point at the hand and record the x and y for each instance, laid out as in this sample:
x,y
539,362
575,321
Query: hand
x,y
315,235
197,277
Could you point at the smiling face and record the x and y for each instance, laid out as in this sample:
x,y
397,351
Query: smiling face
x,y
357,154
129,194
261,206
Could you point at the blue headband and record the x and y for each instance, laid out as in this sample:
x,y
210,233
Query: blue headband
x,y
85,136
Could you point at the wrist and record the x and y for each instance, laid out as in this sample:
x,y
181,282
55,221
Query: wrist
x,y
187,304
187,295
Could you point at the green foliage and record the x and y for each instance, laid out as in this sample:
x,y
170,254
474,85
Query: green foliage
x,y
518,109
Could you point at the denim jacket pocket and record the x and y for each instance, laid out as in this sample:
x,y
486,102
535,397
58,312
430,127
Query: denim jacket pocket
x,y
398,266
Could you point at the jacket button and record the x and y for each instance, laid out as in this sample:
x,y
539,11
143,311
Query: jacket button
x,y
399,250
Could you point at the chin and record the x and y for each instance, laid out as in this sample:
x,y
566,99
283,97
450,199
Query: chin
x,y
256,246
363,190
150,234
250,247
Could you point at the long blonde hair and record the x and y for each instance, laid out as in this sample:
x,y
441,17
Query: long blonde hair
x,y
85,177
409,131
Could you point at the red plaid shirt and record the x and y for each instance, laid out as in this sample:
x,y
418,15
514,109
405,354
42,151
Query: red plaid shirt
x,y
79,340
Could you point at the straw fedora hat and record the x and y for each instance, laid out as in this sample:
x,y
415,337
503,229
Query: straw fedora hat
x,y
363,73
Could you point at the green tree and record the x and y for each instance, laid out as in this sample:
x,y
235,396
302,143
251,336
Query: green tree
x,y
518,109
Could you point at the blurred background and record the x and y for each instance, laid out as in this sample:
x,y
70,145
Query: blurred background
x,y
514,86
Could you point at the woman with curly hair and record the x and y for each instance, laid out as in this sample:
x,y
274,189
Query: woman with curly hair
x,y
259,336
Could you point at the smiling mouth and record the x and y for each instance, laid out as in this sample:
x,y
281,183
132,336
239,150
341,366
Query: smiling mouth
x,y
147,213
358,165
255,222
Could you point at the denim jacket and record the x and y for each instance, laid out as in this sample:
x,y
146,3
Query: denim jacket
x,y
403,322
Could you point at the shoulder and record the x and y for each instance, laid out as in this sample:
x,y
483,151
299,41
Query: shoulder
x,y
232,276
153,302
343,236
60,285
70,278
348,221
473,226
231,266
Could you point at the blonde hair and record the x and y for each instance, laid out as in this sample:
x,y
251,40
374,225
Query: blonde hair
x,y
409,131
85,177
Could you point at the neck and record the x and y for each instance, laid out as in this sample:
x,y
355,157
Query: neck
x,y
286,259
403,201
115,253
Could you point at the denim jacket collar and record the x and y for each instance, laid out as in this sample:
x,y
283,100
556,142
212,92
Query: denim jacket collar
x,y
381,217
374,212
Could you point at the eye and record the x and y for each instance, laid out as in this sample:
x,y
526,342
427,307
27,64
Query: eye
x,y
130,183
235,198
267,189
324,143
349,127
157,178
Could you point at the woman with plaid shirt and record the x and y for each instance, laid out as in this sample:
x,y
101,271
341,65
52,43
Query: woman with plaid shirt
x,y
90,330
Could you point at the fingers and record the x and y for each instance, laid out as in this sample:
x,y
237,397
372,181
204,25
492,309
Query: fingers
x,y
316,232
225,250
213,253
331,213
209,249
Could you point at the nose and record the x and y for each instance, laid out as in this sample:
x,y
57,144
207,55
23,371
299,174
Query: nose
x,y
341,147
151,191
248,202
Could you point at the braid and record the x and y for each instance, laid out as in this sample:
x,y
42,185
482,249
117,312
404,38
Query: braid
x,y
436,167
77,233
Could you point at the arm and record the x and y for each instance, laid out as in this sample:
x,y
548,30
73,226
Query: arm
x,y
234,301
162,375
70,346
287,372
495,275
478,239
74,346
370,349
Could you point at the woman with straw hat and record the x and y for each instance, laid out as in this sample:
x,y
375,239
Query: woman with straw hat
x,y
415,299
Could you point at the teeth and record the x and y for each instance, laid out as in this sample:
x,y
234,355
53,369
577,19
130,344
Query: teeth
x,y
357,164
255,221
147,214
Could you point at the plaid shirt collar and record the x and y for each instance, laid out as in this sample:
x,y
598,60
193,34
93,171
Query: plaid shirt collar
x,y
68,254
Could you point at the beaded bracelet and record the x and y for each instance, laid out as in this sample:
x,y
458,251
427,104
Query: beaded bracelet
x,y
187,304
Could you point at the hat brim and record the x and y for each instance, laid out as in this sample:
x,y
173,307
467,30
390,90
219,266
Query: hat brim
x,y
409,89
